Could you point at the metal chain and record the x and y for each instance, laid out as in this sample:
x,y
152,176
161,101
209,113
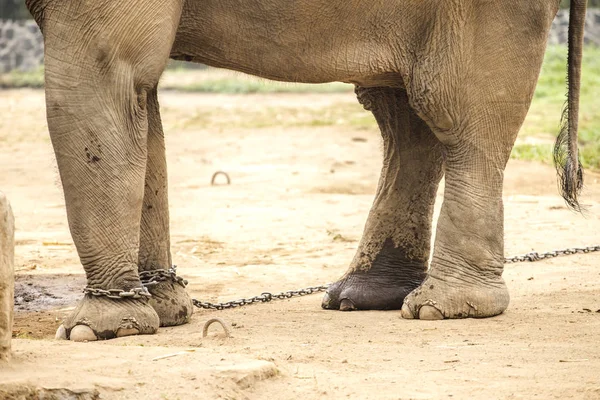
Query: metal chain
x,y
267,297
263,298
152,278
535,256
135,293
148,279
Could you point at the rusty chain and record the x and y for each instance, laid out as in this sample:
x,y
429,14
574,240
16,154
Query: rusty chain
x,y
535,256
263,298
135,293
152,278
148,279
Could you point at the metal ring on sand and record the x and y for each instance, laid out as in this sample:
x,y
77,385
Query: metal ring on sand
x,y
214,177
212,321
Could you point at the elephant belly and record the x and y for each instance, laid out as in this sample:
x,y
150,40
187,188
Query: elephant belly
x,y
308,41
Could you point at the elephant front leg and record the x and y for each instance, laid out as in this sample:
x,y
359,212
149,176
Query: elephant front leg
x,y
465,278
102,164
98,76
393,253
478,128
474,96
169,298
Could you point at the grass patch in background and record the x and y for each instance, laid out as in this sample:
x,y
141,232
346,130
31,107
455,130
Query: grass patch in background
x,y
542,122
348,114
212,80
533,152
543,119
243,86
18,79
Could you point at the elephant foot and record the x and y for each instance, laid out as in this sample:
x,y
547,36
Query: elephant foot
x,y
372,290
436,299
171,302
100,318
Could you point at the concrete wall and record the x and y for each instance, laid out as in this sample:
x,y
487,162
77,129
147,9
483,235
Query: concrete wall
x,y
21,44
560,27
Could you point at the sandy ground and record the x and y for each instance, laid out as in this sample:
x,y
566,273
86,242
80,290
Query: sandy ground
x,y
292,218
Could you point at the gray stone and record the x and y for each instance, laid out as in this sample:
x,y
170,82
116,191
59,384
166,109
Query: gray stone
x,y
31,392
248,374
7,276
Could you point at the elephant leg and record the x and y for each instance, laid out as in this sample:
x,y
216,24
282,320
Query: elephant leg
x,y
101,60
475,106
169,298
465,278
393,254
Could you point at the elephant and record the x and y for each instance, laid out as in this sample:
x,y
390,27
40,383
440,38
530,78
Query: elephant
x,y
449,84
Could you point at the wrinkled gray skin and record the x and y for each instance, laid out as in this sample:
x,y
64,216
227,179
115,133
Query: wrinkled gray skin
x,y
449,83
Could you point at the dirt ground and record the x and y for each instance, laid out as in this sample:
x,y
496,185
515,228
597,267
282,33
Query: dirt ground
x,y
291,218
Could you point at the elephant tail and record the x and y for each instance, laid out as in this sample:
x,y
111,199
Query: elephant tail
x,y
566,153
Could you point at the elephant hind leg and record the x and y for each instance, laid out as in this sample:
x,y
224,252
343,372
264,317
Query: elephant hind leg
x,y
101,60
169,298
394,251
475,106
465,277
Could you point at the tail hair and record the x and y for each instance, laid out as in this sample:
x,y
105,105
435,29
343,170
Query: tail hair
x,y
570,173
566,154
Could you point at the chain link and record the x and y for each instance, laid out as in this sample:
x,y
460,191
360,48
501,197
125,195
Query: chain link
x,y
148,279
535,256
135,293
152,278
263,298
267,297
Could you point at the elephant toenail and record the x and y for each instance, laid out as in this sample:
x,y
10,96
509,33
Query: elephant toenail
x,y
406,313
430,313
326,300
61,333
129,331
82,333
347,305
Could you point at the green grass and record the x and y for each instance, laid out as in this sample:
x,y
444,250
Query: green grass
x,y
179,76
18,79
252,86
542,121
347,114
208,81
532,152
